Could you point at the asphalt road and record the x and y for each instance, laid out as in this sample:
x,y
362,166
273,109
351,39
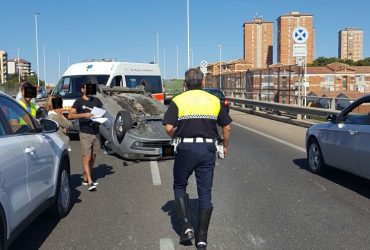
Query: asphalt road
x,y
264,198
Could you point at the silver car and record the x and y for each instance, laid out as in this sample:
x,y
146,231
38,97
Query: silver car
x,y
134,127
343,142
34,170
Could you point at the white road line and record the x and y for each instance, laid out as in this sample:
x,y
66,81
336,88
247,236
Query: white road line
x,y
166,244
271,137
156,177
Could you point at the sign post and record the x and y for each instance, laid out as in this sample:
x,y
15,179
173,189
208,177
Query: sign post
x,y
203,67
300,36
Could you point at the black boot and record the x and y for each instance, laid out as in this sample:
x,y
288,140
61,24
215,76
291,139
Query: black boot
x,y
204,217
182,208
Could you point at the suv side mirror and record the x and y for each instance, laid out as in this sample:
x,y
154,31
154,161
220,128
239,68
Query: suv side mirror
x,y
331,118
49,126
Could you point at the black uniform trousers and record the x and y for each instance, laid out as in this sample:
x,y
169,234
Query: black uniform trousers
x,y
200,158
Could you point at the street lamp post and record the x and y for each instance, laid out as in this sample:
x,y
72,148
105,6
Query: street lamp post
x,y
59,62
157,48
164,63
177,62
188,31
220,71
37,51
43,51
19,68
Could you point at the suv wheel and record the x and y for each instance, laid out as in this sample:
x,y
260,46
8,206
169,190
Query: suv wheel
x,y
62,204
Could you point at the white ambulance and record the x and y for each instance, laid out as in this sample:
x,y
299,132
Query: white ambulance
x,y
111,74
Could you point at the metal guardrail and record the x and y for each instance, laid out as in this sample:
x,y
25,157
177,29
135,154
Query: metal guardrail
x,y
287,108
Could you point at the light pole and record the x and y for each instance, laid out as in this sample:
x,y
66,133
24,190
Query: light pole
x,y
164,63
59,62
220,71
43,51
37,51
177,62
157,48
19,68
188,30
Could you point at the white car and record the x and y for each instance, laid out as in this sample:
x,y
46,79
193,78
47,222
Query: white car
x,y
34,170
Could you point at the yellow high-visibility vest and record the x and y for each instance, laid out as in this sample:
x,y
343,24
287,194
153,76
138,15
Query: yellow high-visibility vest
x,y
194,104
33,107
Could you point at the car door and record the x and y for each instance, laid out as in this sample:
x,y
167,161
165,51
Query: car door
x,y
362,132
38,154
15,197
339,145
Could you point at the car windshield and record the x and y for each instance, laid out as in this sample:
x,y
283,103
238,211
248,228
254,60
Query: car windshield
x,y
70,86
215,92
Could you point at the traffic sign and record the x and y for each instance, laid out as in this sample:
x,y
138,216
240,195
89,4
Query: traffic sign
x,y
204,64
300,35
299,50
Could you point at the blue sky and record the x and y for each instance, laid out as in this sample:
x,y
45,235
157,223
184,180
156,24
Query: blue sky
x,y
126,29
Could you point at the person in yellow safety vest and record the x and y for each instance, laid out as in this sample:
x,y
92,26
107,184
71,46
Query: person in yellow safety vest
x,y
28,92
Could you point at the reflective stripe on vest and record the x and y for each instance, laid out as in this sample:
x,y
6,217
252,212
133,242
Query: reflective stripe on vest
x,y
33,107
197,104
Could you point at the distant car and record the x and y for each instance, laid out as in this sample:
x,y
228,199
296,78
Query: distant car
x,y
217,92
134,127
42,93
34,170
343,142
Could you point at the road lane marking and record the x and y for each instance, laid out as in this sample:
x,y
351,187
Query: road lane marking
x,y
166,244
319,185
156,177
271,137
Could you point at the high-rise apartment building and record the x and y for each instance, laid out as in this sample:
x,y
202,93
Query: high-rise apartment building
x,y
350,44
258,42
286,25
3,66
21,67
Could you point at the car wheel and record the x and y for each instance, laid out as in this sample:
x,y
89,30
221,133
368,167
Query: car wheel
x,y
62,204
315,159
122,123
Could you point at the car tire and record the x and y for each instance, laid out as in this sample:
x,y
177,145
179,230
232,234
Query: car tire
x,y
122,123
62,203
315,159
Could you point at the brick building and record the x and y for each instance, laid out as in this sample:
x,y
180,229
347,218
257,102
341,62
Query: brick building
x,y
286,25
350,44
281,83
258,42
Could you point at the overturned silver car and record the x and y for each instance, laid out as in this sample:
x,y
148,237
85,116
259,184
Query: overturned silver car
x,y
134,127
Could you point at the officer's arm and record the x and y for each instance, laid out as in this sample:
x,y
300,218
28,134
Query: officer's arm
x,y
170,129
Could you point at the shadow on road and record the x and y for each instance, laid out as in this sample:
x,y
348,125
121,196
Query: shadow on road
x,y
347,180
39,230
169,208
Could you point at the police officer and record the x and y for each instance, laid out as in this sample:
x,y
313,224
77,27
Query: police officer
x,y
192,119
28,92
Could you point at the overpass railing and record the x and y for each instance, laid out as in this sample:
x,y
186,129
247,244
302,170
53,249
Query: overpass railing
x,y
245,100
